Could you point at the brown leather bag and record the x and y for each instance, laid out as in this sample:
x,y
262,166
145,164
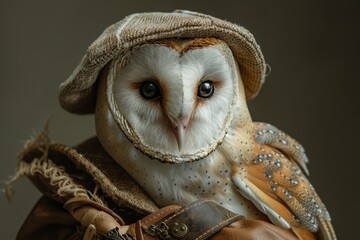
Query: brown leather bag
x,y
87,220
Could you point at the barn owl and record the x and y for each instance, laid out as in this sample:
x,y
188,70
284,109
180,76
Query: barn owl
x,y
173,114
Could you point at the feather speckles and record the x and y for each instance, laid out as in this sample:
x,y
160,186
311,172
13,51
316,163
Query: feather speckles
x,y
274,186
294,180
261,157
268,134
270,165
288,194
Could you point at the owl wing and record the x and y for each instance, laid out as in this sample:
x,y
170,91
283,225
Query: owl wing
x,y
275,183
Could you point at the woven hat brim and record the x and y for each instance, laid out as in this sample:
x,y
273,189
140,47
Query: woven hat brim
x,y
78,93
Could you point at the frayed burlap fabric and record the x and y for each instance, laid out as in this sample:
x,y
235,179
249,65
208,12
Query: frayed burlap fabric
x,y
78,93
61,172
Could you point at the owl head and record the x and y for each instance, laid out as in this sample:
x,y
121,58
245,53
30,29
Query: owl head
x,y
172,91
173,99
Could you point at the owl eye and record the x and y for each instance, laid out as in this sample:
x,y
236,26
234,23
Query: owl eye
x,y
206,89
150,90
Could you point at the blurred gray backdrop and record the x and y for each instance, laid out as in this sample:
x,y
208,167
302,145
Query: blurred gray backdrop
x,y
312,92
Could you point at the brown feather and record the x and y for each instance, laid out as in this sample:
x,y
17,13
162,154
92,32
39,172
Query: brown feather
x,y
272,172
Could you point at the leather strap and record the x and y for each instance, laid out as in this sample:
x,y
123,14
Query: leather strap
x,y
76,203
197,221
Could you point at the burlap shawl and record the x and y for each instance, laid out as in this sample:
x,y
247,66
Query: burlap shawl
x,y
62,172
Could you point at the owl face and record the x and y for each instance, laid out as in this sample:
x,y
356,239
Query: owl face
x,y
173,100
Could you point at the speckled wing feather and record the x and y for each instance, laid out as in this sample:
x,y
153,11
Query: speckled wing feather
x,y
272,178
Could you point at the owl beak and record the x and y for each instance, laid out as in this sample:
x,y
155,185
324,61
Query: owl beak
x,y
179,132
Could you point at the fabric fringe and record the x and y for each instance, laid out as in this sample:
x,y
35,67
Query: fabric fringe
x,y
50,165
57,176
59,180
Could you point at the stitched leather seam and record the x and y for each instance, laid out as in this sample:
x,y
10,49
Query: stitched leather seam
x,y
132,230
157,215
138,230
214,227
183,210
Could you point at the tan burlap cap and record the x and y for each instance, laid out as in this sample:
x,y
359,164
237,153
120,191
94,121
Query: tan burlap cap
x,y
78,93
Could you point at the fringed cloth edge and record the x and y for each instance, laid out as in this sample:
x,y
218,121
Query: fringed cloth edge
x,y
55,175
39,160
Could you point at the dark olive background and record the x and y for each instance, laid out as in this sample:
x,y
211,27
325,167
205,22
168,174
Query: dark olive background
x,y
312,92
